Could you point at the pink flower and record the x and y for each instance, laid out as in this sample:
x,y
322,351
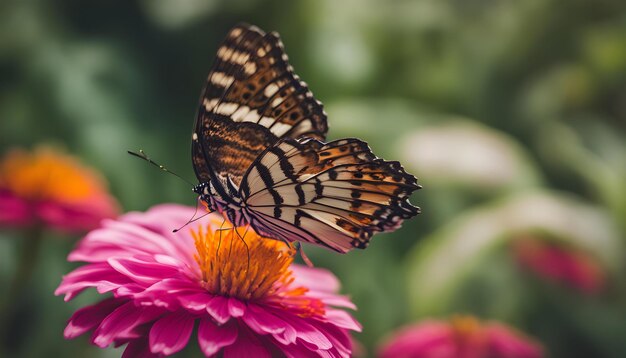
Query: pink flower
x,y
246,299
461,337
48,188
560,264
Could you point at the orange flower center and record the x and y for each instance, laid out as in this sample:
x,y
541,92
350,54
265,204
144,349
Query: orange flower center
x,y
46,175
468,335
465,326
239,263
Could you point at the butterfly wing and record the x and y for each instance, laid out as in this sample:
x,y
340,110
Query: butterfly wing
x,y
335,194
251,99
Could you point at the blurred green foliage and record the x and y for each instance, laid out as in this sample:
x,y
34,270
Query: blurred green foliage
x,y
536,89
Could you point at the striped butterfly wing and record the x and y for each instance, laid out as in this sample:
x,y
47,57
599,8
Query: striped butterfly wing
x,y
251,99
335,194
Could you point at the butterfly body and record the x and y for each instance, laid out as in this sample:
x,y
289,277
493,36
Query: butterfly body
x,y
228,204
259,153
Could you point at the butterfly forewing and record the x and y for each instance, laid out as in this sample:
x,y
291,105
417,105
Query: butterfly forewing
x,y
252,99
335,194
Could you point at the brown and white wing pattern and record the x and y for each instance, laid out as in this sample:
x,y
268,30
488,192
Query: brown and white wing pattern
x,y
335,194
258,151
251,100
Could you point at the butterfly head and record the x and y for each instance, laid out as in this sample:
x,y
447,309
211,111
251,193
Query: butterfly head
x,y
206,190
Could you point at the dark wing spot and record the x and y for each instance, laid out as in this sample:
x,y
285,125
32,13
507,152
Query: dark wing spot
x,y
346,225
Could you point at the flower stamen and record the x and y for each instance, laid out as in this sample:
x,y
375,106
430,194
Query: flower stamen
x,y
251,269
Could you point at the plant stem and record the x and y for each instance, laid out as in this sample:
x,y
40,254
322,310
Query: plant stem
x,y
26,264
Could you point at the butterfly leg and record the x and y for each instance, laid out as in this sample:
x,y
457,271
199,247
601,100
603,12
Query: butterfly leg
x,y
220,239
244,243
305,258
193,217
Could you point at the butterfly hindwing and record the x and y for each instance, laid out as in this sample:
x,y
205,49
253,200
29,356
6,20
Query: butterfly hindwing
x,y
251,99
335,194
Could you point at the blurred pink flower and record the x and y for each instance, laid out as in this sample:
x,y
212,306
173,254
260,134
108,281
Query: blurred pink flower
x,y
560,263
461,337
247,299
52,189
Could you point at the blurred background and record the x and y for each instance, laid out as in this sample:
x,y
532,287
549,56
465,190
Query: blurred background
x,y
512,114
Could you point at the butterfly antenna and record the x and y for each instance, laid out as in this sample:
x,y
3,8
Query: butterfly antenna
x,y
144,156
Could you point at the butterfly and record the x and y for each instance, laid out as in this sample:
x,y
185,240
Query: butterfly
x,y
259,153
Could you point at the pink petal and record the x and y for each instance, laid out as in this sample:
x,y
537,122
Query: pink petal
x,y
236,308
101,276
217,307
116,239
315,279
14,211
424,339
72,217
168,293
89,317
340,338
131,238
212,338
299,351
195,302
561,264
289,335
263,322
138,348
332,299
171,333
246,345
505,342
343,319
121,323
174,286
141,271
127,290
308,334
